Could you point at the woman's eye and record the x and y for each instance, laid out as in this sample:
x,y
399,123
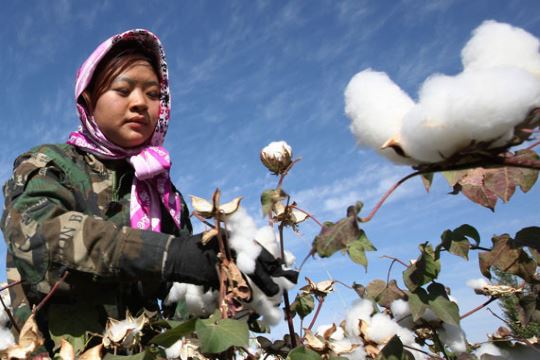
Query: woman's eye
x,y
153,94
122,91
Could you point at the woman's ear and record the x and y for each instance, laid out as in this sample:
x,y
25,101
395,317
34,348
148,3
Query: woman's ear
x,y
85,97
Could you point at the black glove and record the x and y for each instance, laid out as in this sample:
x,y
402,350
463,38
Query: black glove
x,y
189,261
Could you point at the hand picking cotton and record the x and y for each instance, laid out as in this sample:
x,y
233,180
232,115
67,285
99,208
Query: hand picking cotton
x,y
499,86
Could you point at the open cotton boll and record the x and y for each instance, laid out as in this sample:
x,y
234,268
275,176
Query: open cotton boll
x,y
242,232
477,283
176,294
381,328
401,311
453,337
358,354
174,351
289,258
361,309
266,237
495,44
487,348
198,302
376,107
262,305
338,334
478,106
6,339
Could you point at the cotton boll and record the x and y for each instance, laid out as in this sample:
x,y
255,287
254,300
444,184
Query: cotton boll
x,y
487,348
361,309
199,302
289,258
176,294
495,44
245,262
242,230
453,337
477,106
358,354
477,283
266,237
401,312
338,334
6,339
376,107
174,351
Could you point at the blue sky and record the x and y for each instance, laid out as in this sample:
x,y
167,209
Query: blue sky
x,y
244,73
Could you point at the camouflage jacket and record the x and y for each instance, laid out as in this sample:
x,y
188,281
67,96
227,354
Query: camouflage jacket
x,y
67,210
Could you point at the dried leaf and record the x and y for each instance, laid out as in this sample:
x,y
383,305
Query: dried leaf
x,y
29,339
313,341
508,257
322,288
230,207
208,235
384,294
202,206
472,186
236,284
500,181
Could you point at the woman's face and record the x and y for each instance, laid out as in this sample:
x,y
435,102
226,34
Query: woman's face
x,y
127,112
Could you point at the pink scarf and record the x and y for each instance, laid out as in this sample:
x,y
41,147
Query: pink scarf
x,y
151,183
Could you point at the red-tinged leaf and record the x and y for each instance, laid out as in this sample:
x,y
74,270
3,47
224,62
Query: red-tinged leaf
x,y
427,180
523,177
384,294
472,186
500,181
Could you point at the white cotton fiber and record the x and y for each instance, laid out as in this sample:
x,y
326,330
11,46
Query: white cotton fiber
x,y
478,106
266,237
265,306
453,337
361,309
381,328
358,354
477,283
4,318
242,230
338,334
176,294
487,348
200,303
289,258
495,44
376,107
400,308
174,351
6,339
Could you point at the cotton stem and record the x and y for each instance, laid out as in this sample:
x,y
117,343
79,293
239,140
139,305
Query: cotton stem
x,y
317,311
288,313
492,299
308,214
51,293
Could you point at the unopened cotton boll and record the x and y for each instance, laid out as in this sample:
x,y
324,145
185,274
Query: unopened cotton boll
x,y
376,107
495,44
453,337
361,309
6,339
477,106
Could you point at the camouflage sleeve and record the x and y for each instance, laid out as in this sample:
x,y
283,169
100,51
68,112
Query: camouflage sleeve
x,y
44,231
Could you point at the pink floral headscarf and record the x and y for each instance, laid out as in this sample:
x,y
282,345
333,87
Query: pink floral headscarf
x,y
151,183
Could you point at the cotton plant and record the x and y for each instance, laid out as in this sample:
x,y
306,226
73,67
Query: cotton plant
x,y
481,106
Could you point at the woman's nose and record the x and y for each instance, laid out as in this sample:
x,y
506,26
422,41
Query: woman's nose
x,y
138,101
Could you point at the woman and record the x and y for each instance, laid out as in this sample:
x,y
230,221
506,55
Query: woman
x,y
102,207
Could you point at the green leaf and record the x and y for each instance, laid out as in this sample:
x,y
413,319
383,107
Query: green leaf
x,y
453,177
217,335
357,249
338,236
418,303
169,337
456,241
424,270
529,236
441,305
469,231
75,327
145,355
303,304
393,350
303,353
